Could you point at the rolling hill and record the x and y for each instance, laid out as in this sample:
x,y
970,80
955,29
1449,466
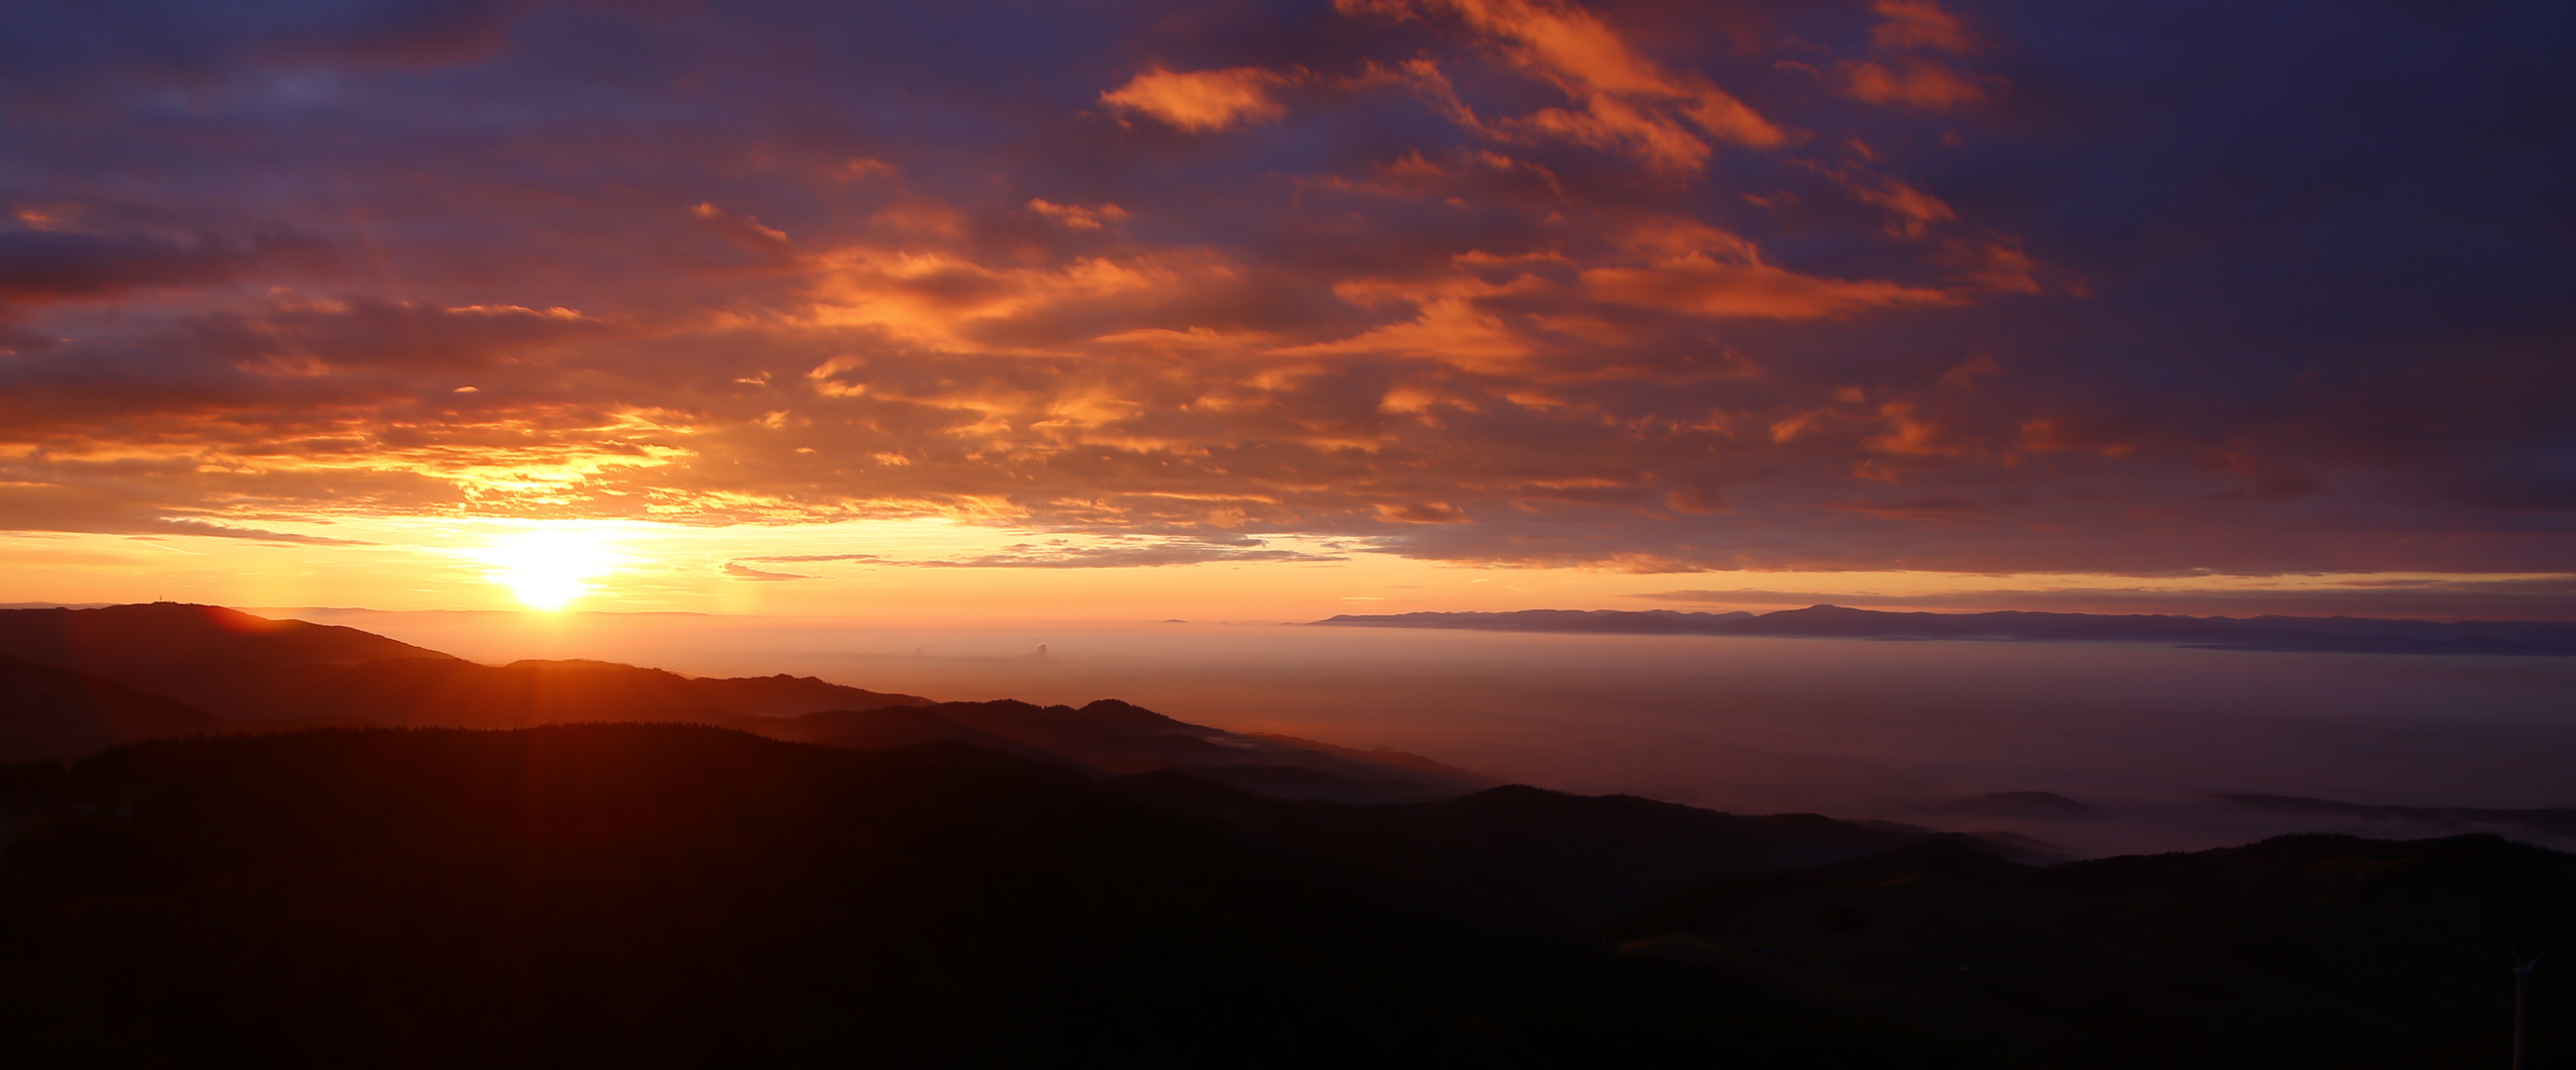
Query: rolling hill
x,y
255,673
56,713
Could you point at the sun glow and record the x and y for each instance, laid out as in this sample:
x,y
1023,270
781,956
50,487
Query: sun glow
x,y
549,567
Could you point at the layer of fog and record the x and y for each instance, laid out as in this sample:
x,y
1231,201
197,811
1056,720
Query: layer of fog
x,y
1844,727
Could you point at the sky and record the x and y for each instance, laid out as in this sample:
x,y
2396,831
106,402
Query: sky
x,y
1274,310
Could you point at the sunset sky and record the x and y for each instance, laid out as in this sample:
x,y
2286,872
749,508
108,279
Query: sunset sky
x,y
1278,310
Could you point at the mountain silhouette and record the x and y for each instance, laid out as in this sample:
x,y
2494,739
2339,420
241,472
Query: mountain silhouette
x,y
790,871
253,673
2560,821
1381,756
2307,950
204,656
252,669
2272,633
889,727
1113,737
1540,858
54,713
1600,855
114,640
680,895
453,693
671,895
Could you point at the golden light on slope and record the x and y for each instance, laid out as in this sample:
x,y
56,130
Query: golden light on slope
x,y
548,567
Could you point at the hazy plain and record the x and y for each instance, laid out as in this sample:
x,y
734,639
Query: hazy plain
x,y
1852,728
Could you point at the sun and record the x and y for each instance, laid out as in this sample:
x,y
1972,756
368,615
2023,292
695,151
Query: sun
x,y
548,567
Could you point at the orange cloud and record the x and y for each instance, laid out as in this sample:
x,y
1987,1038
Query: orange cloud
x,y
1625,101
1918,24
1913,82
746,232
1909,435
1704,271
1077,217
1422,513
939,299
1450,329
1999,264
1201,101
1914,210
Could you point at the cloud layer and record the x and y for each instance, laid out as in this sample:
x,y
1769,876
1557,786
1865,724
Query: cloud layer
x,y
2002,287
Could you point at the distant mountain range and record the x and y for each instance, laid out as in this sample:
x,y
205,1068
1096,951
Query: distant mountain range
x,y
84,679
2358,635
2560,821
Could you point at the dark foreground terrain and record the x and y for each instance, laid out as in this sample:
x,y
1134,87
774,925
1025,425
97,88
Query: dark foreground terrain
x,y
226,840
668,895
674,895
